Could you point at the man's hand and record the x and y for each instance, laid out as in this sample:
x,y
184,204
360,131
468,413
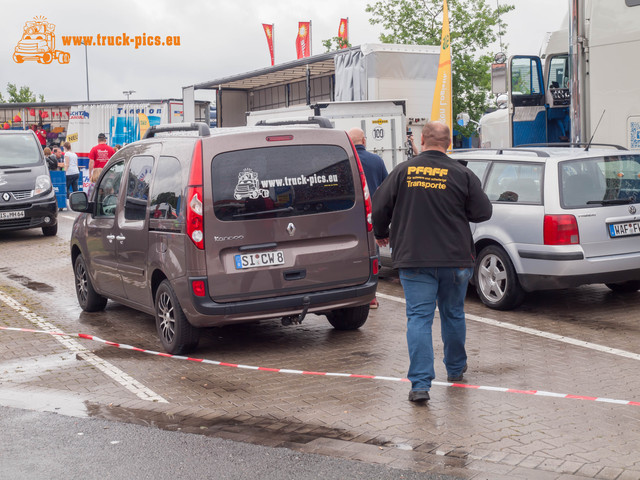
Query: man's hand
x,y
382,242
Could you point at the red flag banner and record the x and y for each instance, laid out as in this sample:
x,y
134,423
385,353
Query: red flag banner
x,y
268,31
303,40
343,31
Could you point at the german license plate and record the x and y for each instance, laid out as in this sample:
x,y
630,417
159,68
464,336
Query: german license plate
x,y
624,229
261,259
11,215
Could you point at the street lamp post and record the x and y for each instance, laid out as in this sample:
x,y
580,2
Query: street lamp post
x,y
86,66
128,93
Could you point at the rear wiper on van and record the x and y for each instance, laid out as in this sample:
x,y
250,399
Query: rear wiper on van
x,y
264,212
613,201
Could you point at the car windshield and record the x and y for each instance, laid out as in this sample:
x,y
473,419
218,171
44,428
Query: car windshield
x,y
610,180
18,151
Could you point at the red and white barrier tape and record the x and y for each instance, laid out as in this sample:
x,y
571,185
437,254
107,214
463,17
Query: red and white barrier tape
x,y
539,393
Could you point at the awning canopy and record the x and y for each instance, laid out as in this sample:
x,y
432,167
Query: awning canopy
x,y
290,72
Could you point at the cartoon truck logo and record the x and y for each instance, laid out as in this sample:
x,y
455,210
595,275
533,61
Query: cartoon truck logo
x,y
249,186
38,43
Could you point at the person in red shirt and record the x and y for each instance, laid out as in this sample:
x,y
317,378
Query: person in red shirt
x,y
100,154
41,133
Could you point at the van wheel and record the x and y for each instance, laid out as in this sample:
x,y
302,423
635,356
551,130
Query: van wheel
x,y
177,335
624,287
89,300
496,280
349,318
50,231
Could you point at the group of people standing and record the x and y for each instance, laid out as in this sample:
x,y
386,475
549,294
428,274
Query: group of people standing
x,y
64,158
422,209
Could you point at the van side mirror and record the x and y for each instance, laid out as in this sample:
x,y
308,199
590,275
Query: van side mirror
x,y
78,202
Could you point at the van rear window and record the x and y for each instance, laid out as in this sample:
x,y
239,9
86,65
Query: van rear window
x,y
281,181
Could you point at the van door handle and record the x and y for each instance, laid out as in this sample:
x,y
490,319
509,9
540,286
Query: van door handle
x,y
111,238
295,274
120,238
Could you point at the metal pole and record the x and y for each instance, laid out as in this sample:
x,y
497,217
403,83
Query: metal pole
x,y
86,66
576,67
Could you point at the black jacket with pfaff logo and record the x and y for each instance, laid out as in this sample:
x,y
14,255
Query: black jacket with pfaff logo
x,y
429,201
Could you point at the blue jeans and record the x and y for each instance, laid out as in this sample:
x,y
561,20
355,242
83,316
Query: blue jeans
x,y
423,287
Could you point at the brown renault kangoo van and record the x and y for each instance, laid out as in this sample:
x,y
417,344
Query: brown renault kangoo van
x,y
206,229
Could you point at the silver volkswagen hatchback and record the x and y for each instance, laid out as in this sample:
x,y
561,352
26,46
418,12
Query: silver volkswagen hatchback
x,y
562,217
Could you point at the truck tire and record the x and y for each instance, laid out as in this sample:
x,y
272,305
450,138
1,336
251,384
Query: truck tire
x,y
63,57
348,318
496,280
46,58
177,335
88,299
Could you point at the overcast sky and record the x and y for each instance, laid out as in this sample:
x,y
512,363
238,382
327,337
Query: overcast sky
x,y
217,39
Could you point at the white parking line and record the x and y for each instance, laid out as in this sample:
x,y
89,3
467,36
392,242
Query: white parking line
x,y
533,331
72,345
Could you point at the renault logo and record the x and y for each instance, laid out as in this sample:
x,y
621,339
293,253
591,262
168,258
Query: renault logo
x,y
632,209
291,228
6,197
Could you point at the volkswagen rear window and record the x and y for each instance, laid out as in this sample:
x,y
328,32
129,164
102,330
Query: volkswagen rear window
x,y
281,181
598,181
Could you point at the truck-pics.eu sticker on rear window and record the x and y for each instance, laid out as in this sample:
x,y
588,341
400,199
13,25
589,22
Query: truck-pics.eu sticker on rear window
x,y
248,186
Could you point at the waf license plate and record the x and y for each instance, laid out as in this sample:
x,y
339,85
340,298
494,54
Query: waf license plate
x,y
261,259
624,229
11,215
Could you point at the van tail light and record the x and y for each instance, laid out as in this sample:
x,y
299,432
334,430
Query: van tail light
x,y
376,266
561,230
195,207
198,288
365,189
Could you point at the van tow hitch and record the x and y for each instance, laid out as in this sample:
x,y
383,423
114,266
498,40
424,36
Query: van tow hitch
x,y
297,319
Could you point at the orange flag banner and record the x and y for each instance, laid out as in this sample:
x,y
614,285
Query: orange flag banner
x,y
303,40
442,106
268,31
343,30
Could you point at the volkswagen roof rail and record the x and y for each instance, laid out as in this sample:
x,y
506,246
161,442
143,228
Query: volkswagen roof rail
x,y
500,151
579,145
201,128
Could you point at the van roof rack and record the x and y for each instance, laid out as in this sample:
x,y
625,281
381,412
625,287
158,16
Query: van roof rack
x,y
579,145
322,122
201,128
500,151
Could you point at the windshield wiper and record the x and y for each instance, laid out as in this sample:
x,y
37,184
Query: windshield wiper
x,y
613,201
264,212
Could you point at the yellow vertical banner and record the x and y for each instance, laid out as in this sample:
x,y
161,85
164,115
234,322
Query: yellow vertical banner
x,y
144,124
441,109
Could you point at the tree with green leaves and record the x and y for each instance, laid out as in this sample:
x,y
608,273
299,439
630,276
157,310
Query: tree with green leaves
x,y
20,95
474,28
335,43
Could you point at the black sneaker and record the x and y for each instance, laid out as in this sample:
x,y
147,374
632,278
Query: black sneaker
x,y
459,377
419,396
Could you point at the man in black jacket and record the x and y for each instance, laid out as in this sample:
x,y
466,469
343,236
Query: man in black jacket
x,y
429,201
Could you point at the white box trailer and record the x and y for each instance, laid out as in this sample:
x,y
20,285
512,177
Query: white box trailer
x,y
383,122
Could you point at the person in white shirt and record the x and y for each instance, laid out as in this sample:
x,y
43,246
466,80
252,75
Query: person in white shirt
x,y
71,168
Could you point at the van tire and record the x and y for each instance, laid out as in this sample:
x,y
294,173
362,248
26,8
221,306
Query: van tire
x,y
50,231
88,299
496,280
177,335
349,318
624,287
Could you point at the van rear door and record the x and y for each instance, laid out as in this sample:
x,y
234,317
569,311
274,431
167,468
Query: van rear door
x,y
284,215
